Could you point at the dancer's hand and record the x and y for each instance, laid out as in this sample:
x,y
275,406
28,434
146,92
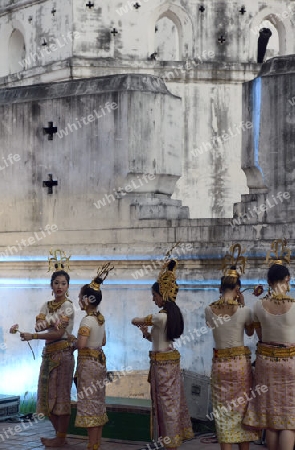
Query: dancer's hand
x,y
144,330
135,321
26,336
61,322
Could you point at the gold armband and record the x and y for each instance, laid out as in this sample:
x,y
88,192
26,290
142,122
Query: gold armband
x,y
148,320
35,336
84,331
257,325
40,317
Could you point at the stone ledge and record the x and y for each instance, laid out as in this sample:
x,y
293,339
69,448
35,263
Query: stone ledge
x,y
86,86
279,65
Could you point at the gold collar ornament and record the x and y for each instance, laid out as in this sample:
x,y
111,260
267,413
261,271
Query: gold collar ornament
x,y
280,298
99,317
226,302
54,306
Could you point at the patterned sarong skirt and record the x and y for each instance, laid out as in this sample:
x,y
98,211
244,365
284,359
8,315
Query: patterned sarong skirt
x,y
55,379
169,407
91,382
274,404
231,383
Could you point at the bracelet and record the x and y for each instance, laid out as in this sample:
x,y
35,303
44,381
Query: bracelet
x,y
35,336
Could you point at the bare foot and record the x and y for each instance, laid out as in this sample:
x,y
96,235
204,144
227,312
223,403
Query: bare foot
x,y
54,442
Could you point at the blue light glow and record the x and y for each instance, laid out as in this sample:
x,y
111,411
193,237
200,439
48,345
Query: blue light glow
x,y
256,93
37,282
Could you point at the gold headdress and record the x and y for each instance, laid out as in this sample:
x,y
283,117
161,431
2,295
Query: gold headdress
x,y
59,261
169,252
167,279
281,258
237,260
101,273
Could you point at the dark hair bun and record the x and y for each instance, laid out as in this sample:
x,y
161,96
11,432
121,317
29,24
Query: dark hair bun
x,y
277,272
171,264
98,280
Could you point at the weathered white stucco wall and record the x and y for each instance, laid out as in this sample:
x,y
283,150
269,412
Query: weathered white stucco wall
x,y
189,138
204,72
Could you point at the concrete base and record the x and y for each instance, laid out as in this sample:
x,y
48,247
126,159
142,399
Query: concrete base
x,y
9,406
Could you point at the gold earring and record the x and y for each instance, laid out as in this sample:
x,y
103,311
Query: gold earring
x,y
52,293
67,294
288,287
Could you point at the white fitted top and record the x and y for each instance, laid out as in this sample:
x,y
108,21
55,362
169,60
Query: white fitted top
x,y
97,331
66,309
279,328
228,331
158,333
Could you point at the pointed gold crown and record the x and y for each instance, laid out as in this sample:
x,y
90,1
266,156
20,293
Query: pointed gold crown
x,y
101,273
167,279
234,258
281,257
58,261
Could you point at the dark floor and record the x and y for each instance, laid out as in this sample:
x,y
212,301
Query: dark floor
x,y
26,436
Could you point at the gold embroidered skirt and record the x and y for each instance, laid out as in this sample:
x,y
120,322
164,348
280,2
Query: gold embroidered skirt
x,y
231,381
55,379
275,407
169,407
91,382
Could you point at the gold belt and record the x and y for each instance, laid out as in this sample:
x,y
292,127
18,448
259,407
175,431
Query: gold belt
x,y
230,352
55,347
275,352
92,353
165,356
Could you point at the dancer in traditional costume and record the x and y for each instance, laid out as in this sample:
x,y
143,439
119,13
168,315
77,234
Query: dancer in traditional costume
x,y
274,321
169,407
56,372
91,370
231,375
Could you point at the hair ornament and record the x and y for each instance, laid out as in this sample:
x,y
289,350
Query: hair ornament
x,y
169,252
167,278
58,261
283,257
234,258
102,273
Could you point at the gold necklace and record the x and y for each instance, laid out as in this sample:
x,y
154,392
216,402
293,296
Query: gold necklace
x,y
93,314
225,302
277,298
99,317
54,306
